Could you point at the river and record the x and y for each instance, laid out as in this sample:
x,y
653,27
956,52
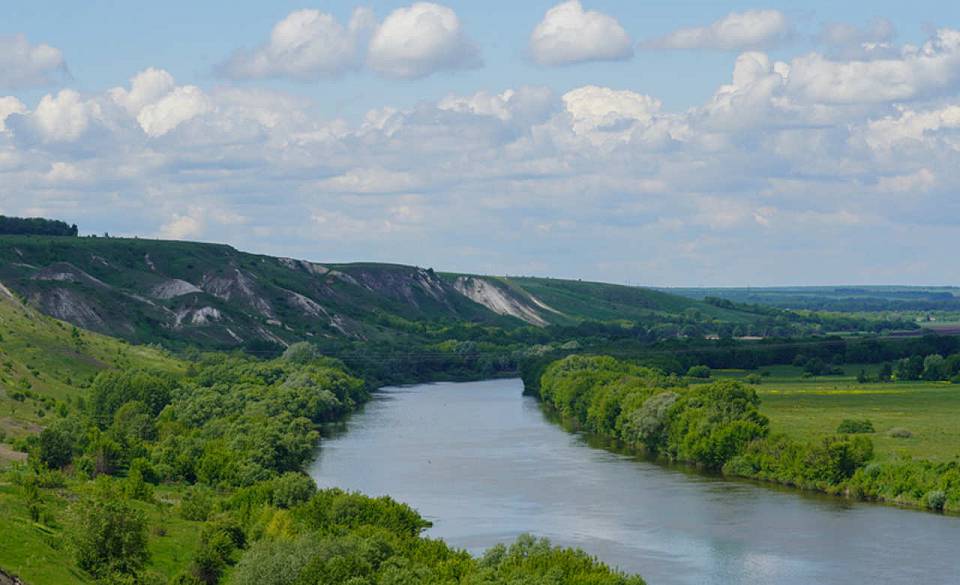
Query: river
x,y
484,464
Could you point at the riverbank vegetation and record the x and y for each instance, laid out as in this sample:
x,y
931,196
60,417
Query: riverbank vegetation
x,y
192,475
721,426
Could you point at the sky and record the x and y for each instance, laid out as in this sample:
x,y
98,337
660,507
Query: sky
x,y
660,143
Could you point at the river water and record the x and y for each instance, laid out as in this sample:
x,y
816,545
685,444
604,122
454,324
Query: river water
x,y
484,464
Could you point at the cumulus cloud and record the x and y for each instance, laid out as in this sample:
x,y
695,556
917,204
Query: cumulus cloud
x,y
607,113
569,34
158,104
911,127
736,31
23,64
64,117
916,72
764,172
146,87
305,45
419,40
411,42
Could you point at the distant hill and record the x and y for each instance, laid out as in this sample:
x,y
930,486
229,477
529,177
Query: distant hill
x,y
216,296
836,298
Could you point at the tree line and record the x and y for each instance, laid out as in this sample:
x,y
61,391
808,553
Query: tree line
x,y
35,226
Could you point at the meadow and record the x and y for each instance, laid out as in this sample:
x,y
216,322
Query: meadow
x,y
812,408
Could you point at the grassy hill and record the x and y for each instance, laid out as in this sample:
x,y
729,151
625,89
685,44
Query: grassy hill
x,y
184,293
43,362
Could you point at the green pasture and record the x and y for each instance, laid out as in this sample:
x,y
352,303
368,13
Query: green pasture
x,y
812,408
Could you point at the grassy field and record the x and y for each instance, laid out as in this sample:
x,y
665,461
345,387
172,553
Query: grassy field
x,y
811,408
40,552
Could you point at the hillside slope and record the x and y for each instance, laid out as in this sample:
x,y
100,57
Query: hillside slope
x,y
215,296
43,362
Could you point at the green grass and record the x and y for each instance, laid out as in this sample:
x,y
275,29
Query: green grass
x,y
42,359
40,554
812,408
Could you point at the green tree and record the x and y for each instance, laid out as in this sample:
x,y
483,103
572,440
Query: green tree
x,y
109,535
55,447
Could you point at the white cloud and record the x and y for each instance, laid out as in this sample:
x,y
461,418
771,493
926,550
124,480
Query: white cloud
x,y
184,226
64,117
736,31
525,105
911,127
569,34
178,106
157,103
25,65
146,87
10,105
917,72
486,180
419,40
305,45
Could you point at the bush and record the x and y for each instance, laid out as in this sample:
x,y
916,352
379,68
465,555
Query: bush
x,y
110,536
753,379
291,489
196,504
702,372
935,500
851,426
899,433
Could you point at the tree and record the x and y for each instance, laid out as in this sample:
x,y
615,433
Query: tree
x,y
862,377
301,353
110,535
886,373
702,372
55,448
909,368
933,367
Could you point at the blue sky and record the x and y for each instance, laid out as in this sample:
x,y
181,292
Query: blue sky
x,y
674,143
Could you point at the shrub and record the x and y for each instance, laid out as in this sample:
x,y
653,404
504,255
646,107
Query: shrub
x,y
899,433
110,536
702,372
851,426
196,504
292,488
753,379
935,500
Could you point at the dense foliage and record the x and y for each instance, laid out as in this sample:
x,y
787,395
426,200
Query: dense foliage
x,y
35,226
337,538
718,426
232,436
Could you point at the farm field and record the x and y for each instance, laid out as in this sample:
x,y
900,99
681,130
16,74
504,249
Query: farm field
x,y
811,408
